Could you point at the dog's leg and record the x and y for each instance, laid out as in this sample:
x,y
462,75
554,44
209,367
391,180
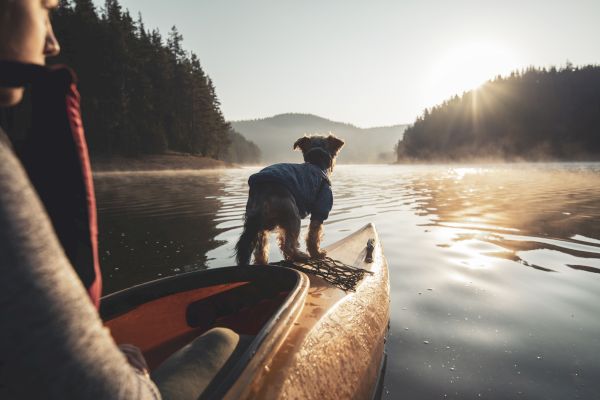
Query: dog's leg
x,y
261,251
288,241
313,239
247,241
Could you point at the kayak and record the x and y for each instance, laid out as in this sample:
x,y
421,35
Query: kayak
x,y
300,335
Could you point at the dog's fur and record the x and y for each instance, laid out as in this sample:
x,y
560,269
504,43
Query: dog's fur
x,y
271,206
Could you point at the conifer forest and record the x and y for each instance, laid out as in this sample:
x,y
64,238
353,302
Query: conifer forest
x,y
142,93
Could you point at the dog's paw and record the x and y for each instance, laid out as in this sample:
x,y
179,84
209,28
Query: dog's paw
x,y
320,254
300,256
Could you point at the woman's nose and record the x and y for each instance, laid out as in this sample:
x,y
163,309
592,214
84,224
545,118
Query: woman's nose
x,y
51,46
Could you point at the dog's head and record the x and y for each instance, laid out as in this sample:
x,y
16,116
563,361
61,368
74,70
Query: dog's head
x,y
320,150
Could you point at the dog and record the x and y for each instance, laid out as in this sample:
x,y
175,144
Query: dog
x,y
282,194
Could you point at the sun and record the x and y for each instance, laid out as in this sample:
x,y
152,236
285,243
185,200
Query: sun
x,y
467,66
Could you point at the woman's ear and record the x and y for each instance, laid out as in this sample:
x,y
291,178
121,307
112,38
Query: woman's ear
x,y
303,143
335,144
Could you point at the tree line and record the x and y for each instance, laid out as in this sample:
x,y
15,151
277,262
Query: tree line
x,y
535,114
141,93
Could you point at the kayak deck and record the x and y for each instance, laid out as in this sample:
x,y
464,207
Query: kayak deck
x,y
336,346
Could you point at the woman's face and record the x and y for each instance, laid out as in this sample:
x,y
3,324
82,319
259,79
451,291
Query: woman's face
x,y
25,36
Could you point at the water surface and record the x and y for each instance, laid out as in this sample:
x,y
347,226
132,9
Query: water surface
x,y
494,269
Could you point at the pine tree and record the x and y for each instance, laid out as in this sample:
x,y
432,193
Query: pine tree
x,y
140,95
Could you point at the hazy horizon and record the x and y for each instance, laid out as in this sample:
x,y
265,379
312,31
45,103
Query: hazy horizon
x,y
376,64
317,116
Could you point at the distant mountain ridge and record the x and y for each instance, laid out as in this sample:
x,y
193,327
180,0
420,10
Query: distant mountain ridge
x,y
276,135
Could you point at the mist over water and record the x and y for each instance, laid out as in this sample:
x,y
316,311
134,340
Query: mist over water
x,y
493,268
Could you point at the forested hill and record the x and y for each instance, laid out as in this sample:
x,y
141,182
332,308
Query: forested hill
x,y
276,135
534,115
141,93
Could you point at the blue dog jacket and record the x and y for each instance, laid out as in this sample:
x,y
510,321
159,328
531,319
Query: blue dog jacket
x,y
308,183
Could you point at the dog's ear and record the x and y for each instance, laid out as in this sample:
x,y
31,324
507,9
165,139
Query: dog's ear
x,y
335,144
303,143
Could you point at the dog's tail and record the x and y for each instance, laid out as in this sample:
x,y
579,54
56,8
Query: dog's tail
x,y
248,239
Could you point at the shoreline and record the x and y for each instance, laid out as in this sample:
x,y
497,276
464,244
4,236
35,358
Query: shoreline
x,y
158,162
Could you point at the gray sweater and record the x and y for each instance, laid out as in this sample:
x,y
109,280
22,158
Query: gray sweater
x,y
52,342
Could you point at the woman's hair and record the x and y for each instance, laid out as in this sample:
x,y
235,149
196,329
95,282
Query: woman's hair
x,y
5,11
4,4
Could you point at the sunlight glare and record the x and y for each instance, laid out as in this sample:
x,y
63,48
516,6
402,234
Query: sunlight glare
x,y
460,172
466,67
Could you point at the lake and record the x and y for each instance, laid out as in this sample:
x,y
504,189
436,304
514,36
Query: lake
x,y
494,269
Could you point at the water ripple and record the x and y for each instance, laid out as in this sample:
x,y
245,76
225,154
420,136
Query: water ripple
x,y
494,269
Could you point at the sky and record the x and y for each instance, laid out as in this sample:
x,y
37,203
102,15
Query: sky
x,y
369,62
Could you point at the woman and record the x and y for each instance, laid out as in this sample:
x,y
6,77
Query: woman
x,y
52,342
